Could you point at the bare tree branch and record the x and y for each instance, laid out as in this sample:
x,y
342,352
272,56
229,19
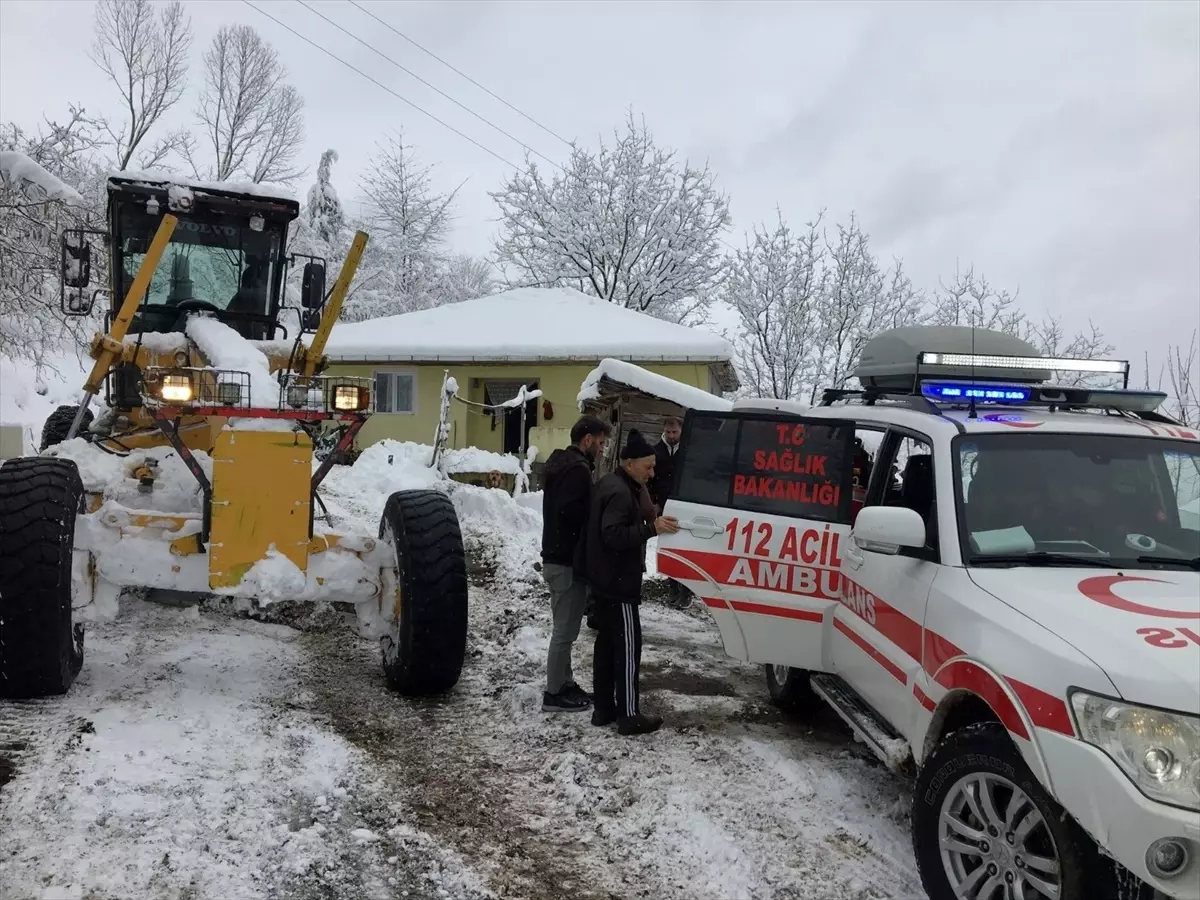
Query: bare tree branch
x,y
146,58
253,120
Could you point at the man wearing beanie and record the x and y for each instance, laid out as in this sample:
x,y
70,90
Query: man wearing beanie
x,y
611,558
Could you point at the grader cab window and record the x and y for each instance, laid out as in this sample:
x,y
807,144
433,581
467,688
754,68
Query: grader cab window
x,y
214,263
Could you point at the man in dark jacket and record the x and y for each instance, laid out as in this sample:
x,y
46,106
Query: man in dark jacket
x,y
611,557
567,486
678,596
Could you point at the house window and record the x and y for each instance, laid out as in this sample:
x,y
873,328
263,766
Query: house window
x,y
396,392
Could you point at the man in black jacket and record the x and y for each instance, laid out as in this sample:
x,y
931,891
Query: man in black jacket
x,y
567,486
678,596
611,557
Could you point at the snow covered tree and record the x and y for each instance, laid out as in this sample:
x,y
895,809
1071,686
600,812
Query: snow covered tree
x,y
253,120
861,299
145,56
627,223
807,304
49,181
410,218
324,209
969,299
465,277
775,286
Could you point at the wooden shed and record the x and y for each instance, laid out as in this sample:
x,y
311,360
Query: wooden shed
x,y
630,397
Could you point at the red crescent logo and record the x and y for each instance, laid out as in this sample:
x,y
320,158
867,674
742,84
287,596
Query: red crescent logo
x,y
1100,590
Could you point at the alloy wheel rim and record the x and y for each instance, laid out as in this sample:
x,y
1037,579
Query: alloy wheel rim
x,y
995,843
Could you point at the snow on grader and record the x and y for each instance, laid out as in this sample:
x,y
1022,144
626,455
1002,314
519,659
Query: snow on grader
x,y
197,475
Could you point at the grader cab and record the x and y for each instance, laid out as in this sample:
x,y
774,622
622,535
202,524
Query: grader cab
x,y
197,475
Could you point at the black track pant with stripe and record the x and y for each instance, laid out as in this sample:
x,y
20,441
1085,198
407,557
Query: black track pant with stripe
x,y
617,658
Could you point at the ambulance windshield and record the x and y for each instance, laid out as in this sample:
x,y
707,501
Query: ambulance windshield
x,y
1129,501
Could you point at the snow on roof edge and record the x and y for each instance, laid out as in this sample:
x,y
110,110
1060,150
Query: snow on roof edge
x,y
650,383
265,191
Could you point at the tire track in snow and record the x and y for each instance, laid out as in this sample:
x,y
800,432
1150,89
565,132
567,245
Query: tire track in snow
x,y
731,799
199,778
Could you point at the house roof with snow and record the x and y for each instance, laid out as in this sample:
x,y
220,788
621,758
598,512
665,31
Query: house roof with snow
x,y
526,324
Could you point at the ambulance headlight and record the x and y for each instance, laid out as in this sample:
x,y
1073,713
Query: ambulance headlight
x,y
176,388
349,398
1158,750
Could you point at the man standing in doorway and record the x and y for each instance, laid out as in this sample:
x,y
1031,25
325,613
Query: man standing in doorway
x,y
611,557
567,486
678,596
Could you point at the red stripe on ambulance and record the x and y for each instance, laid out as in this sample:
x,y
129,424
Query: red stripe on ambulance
x,y
927,648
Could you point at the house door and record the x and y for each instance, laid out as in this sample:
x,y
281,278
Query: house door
x,y
499,392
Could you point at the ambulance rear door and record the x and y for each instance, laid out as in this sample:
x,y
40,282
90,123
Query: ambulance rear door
x,y
764,503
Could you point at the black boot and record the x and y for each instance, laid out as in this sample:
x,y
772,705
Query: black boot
x,y
639,724
602,717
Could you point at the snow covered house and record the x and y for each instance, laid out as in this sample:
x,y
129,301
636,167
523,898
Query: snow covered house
x,y
549,339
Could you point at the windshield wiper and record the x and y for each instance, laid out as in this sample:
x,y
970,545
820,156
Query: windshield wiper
x,y
1193,563
1041,558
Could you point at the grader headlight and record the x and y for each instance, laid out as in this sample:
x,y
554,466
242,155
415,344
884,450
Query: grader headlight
x,y
229,393
176,388
350,398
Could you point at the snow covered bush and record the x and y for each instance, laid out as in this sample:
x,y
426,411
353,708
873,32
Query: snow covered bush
x,y
628,224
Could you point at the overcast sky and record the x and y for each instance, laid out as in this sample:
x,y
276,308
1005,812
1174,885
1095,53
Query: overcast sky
x,y
1054,145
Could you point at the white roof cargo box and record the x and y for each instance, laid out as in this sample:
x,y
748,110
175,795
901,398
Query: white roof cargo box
x,y
892,359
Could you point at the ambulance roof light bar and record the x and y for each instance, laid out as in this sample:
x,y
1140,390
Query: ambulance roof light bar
x,y
1054,364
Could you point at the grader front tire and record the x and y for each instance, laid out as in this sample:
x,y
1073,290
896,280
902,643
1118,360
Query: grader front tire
x,y
427,641
41,648
58,425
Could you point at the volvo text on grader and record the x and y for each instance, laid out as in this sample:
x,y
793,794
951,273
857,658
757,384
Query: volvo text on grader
x,y
178,253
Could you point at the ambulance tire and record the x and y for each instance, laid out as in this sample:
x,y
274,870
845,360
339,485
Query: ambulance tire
x,y
789,688
41,646
986,749
424,651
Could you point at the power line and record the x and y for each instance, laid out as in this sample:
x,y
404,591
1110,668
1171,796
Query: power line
x,y
401,34
352,68
426,83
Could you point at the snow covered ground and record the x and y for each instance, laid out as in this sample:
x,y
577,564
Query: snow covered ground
x,y
205,755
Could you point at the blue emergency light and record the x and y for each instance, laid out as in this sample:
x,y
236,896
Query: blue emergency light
x,y
965,392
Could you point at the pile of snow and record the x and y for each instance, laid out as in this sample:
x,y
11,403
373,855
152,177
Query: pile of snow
x,y
23,173
408,463
655,385
27,398
175,487
224,348
505,531
525,324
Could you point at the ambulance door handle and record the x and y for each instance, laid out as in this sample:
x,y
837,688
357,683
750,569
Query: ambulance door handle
x,y
703,527
852,555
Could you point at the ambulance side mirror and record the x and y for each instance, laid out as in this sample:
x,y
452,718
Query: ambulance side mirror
x,y
885,529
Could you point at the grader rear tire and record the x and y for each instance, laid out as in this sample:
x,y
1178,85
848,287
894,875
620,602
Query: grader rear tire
x,y
41,648
424,651
58,424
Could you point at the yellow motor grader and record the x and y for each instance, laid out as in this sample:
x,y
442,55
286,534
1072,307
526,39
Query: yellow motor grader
x,y
196,476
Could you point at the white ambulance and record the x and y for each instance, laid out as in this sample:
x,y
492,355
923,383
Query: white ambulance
x,y
991,579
